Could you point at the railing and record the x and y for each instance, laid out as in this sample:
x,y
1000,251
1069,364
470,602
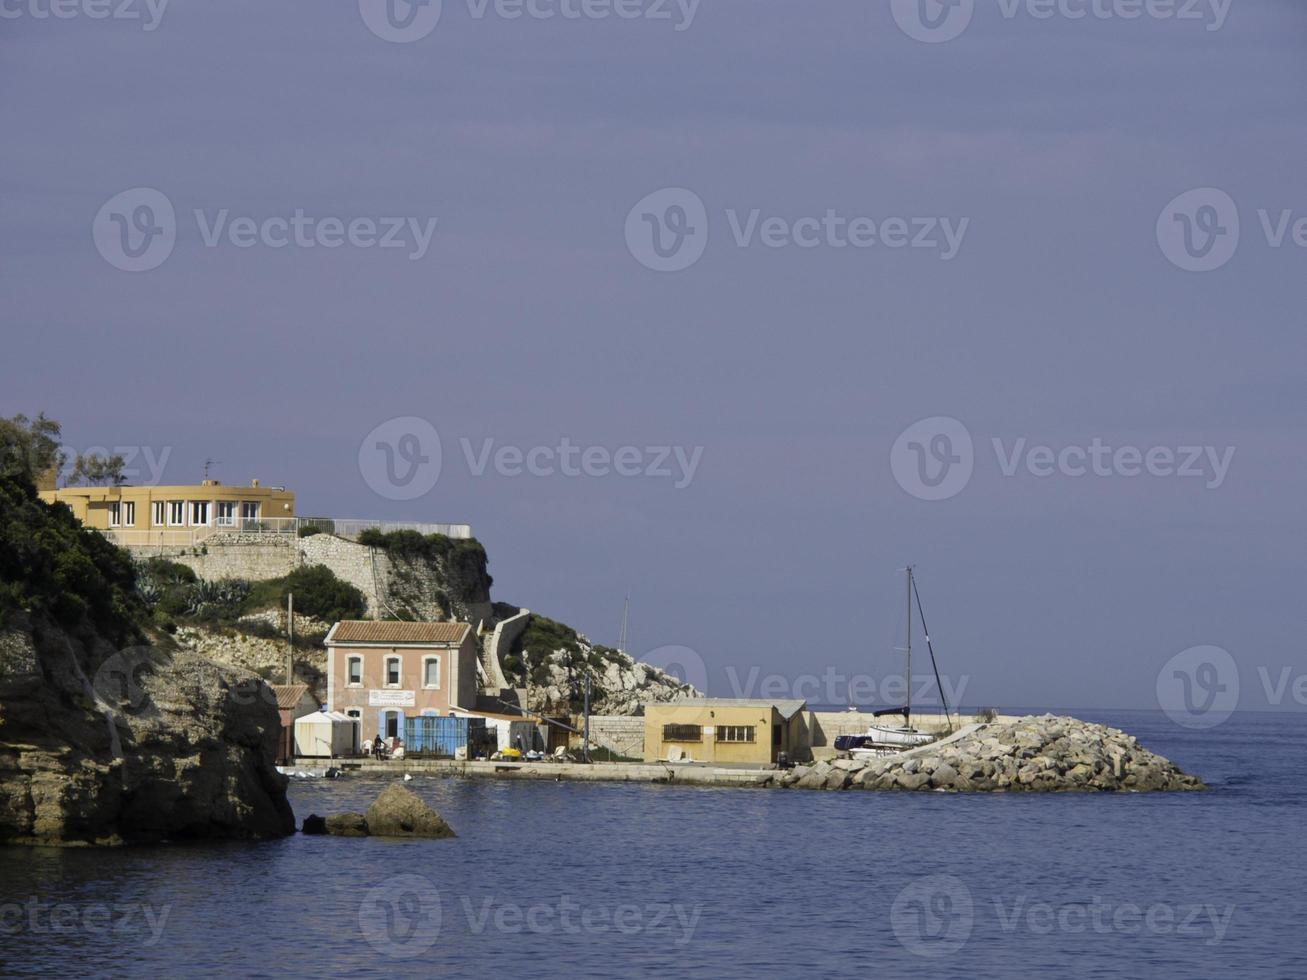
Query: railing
x,y
350,527
273,527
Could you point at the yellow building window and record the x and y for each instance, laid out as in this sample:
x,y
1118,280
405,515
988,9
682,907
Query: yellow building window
x,y
735,733
682,733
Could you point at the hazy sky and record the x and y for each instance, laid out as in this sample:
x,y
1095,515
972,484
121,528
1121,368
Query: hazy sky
x,y
1061,311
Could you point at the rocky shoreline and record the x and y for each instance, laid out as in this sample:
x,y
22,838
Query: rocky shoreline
x,y
1034,754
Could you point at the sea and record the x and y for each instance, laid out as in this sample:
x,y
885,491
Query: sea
x,y
557,879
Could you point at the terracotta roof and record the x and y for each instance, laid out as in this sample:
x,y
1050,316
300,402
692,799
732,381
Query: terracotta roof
x,y
288,695
368,631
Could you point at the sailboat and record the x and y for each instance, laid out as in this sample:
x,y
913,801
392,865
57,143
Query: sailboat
x,y
886,739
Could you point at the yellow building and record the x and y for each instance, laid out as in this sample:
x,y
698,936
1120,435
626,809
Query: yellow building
x,y
725,730
179,515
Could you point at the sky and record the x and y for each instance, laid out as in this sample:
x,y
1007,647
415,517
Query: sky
x,y
813,291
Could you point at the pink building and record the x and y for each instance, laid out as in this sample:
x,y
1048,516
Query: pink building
x,y
385,672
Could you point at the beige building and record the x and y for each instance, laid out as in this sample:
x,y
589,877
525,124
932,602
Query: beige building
x,y
384,672
178,515
725,730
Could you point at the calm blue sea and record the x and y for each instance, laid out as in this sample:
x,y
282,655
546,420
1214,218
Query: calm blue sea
x,y
606,880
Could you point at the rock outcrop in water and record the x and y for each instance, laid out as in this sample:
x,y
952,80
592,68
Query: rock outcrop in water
x,y
396,812
145,747
1032,755
105,739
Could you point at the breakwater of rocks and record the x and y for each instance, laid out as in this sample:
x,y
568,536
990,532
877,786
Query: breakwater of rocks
x,y
1044,753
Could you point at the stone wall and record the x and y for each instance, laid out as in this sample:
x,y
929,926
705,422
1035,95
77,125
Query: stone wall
x,y
252,557
354,563
500,645
621,734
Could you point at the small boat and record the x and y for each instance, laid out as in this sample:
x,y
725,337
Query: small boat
x,y
881,740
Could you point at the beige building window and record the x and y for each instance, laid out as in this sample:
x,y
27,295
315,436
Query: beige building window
x,y
226,513
392,672
176,513
115,514
199,513
354,672
157,517
129,513
735,733
249,510
682,733
431,672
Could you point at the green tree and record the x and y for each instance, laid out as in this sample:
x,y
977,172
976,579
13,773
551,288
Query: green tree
x,y
96,471
29,448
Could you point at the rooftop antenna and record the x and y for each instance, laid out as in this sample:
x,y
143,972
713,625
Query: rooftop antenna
x,y
207,464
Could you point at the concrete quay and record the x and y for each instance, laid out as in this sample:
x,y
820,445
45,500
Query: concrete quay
x,y
687,774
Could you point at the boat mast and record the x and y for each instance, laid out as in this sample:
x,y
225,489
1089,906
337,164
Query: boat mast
x,y
907,711
626,612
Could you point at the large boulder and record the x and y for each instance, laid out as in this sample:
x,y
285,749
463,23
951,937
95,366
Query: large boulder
x,y
346,825
108,746
399,812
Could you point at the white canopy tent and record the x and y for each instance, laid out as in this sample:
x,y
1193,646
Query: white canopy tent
x,y
326,734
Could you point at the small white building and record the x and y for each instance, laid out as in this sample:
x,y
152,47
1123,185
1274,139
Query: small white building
x,y
327,734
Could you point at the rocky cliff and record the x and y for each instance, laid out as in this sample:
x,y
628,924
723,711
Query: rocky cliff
x,y
550,661
105,738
